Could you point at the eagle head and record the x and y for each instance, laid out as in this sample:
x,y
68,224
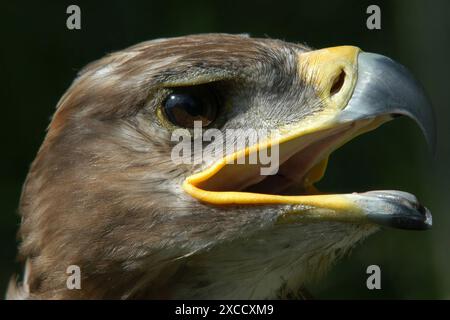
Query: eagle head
x,y
140,184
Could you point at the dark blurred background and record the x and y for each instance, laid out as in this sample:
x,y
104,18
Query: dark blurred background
x,y
40,57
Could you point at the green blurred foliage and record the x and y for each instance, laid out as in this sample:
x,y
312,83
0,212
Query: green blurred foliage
x,y
40,57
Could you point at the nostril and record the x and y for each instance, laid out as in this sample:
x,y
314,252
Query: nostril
x,y
338,83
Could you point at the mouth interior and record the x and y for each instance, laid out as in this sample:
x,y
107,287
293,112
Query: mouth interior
x,y
293,176
302,162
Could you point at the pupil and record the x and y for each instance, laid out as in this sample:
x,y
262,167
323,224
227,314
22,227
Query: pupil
x,y
186,103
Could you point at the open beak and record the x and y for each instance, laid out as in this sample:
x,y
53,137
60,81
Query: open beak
x,y
360,91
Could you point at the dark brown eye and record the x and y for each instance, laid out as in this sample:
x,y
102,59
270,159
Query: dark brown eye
x,y
186,105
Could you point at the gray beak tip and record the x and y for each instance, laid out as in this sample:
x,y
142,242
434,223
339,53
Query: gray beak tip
x,y
386,87
397,209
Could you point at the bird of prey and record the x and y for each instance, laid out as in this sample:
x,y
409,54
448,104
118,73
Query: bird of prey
x,y
104,193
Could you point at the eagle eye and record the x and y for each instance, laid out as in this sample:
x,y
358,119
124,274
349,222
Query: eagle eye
x,y
183,106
